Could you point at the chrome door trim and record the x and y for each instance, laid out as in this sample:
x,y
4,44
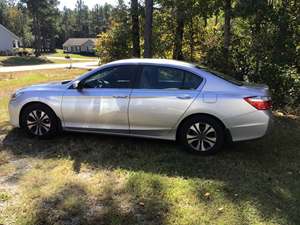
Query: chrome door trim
x,y
184,96
120,96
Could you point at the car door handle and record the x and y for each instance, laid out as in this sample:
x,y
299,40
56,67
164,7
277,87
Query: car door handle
x,y
184,96
120,96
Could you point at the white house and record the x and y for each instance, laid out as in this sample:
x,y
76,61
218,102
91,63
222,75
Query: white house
x,y
80,45
8,41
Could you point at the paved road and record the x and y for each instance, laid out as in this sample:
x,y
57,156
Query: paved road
x,y
84,65
77,59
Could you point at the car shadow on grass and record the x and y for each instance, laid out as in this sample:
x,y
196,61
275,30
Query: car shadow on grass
x,y
72,205
264,172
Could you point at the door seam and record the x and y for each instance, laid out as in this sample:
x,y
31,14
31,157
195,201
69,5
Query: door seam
x,y
129,100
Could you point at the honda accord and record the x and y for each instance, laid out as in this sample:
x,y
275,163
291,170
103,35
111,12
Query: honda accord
x,y
152,98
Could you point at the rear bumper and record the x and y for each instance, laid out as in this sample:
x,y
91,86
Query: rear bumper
x,y
270,125
251,126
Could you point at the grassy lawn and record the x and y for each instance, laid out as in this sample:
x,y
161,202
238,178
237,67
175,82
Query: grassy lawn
x,y
60,53
31,60
96,179
20,61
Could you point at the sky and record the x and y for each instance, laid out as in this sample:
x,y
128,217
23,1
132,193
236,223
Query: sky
x,y
90,3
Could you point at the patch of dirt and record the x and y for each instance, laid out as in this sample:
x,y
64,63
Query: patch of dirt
x,y
21,167
9,183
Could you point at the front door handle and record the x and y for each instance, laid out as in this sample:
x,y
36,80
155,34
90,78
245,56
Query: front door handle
x,y
184,96
120,96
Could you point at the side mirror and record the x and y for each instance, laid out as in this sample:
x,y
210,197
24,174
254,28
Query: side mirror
x,y
77,85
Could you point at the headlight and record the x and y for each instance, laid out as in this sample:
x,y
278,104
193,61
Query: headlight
x,y
15,95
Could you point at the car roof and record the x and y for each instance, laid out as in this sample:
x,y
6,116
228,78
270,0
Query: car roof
x,y
152,61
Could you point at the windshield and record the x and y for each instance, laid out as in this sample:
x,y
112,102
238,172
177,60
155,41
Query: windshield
x,y
221,75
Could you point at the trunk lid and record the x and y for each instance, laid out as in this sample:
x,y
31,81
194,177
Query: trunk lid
x,y
256,89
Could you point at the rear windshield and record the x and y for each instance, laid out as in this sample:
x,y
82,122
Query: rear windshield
x,y
220,75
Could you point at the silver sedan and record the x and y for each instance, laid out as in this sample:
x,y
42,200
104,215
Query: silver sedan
x,y
150,98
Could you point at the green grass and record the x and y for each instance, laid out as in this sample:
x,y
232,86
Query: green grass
x,y
4,196
24,60
31,60
96,179
60,53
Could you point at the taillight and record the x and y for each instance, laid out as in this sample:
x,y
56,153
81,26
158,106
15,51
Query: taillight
x,y
260,102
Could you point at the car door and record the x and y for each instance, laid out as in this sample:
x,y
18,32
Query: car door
x,y
102,103
161,97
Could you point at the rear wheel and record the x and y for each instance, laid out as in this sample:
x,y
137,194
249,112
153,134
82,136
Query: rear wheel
x,y
202,135
39,120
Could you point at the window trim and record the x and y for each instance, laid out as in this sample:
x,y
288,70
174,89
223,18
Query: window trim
x,y
139,75
132,85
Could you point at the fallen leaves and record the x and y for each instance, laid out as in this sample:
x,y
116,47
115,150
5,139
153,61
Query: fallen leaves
x,y
207,195
142,204
221,209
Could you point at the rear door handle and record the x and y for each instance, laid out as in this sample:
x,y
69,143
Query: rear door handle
x,y
120,96
184,96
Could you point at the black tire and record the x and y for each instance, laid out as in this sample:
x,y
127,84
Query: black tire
x,y
191,135
40,121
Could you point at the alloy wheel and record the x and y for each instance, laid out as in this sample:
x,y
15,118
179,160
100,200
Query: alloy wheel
x,y
38,122
201,136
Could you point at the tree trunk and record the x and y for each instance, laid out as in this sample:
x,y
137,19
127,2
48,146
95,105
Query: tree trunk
x,y
216,22
192,43
136,51
257,46
148,29
227,27
177,52
37,36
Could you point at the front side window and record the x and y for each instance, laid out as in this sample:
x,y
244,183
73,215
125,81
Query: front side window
x,y
115,77
153,77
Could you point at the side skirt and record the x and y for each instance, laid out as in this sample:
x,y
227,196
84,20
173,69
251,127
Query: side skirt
x,y
120,133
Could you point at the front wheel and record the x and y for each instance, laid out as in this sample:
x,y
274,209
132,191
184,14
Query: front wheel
x,y
39,121
202,135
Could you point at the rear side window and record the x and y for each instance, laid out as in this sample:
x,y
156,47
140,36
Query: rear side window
x,y
153,77
221,75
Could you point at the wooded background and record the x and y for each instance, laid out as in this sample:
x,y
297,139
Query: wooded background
x,y
252,40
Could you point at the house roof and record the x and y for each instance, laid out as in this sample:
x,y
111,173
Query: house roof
x,y
8,31
78,41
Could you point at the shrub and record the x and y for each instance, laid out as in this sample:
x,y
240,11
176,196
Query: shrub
x,y
114,44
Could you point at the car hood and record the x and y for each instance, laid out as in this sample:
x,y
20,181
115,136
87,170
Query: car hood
x,y
58,85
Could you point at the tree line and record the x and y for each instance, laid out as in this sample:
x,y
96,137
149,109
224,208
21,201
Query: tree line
x,y
41,25
252,40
